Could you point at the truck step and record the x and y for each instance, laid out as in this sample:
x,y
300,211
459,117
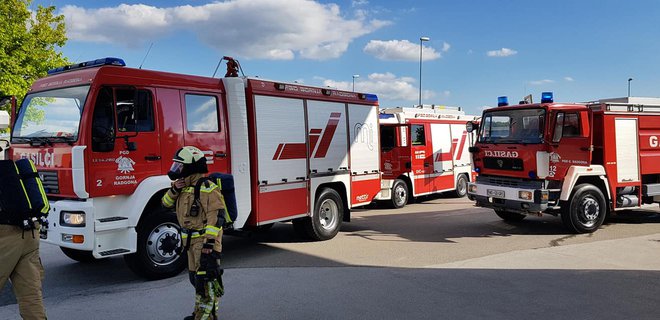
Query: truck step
x,y
652,189
109,219
111,223
113,252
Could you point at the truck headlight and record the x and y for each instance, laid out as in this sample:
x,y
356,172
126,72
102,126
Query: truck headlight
x,y
72,219
526,195
472,188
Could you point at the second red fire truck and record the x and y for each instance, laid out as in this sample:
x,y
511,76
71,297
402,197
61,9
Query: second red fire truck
x,y
580,161
424,151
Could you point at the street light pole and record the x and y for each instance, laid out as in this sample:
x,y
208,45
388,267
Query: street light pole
x,y
629,79
421,40
355,76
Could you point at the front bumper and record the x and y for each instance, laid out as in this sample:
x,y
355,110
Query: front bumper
x,y
508,198
62,236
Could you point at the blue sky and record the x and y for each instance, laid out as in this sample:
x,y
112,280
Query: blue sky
x,y
478,50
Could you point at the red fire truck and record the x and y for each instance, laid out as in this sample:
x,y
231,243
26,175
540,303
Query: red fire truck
x,y
102,136
580,161
424,151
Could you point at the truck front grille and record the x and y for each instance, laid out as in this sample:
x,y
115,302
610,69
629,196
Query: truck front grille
x,y
503,163
50,182
510,182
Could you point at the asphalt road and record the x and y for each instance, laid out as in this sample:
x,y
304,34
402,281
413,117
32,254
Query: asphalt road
x,y
441,258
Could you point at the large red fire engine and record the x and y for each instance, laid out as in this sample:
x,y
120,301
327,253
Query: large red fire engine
x,y
424,151
102,136
580,161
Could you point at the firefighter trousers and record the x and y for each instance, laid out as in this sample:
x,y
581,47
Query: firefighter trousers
x,y
19,253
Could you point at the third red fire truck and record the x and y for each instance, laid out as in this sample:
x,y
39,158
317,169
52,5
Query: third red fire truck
x,y
103,135
424,151
580,161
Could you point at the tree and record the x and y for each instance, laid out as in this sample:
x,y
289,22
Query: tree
x,y
29,45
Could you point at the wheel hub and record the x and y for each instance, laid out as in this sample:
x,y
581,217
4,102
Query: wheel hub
x,y
162,243
328,212
590,211
168,244
400,195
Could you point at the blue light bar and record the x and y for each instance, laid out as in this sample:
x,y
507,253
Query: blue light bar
x,y
385,116
89,64
502,101
546,97
368,97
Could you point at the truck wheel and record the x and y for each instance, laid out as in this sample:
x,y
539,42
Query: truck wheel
x,y
399,194
157,242
510,215
585,211
326,219
461,186
78,255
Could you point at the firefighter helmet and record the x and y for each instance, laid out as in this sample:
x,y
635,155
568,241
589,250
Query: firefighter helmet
x,y
187,160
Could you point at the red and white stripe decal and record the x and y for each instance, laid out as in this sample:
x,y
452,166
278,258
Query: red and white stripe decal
x,y
288,151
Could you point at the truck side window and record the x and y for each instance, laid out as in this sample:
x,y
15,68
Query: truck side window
x,y
418,136
387,137
134,110
103,122
202,113
571,125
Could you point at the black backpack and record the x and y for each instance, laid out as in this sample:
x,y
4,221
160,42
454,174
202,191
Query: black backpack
x,y
225,183
22,196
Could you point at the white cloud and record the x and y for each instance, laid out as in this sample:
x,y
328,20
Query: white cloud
x,y
541,82
265,29
386,85
504,52
402,50
569,79
445,47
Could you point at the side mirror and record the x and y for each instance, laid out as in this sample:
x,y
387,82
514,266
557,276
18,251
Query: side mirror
x,y
12,109
559,128
471,126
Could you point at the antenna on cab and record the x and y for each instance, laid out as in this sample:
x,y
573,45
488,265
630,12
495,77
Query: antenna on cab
x,y
145,56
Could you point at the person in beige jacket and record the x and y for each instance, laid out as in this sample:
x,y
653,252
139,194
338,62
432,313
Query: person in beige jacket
x,y
199,208
20,262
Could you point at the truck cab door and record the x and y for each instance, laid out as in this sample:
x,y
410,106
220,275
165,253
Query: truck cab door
x,y
422,158
205,127
395,151
571,141
125,143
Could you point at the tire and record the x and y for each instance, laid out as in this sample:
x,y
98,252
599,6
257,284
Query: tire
x,y
151,260
585,211
399,194
461,186
510,216
78,255
326,219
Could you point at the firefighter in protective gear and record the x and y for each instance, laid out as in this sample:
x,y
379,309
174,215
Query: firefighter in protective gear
x,y
201,227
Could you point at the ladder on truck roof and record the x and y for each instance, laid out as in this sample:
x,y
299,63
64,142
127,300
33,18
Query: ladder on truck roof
x,y
627,104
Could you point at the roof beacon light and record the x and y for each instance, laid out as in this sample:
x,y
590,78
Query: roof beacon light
x,y
502,101
546,97
89,64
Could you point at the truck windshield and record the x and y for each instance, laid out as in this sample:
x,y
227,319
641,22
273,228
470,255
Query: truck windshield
x,y
51,115
513,126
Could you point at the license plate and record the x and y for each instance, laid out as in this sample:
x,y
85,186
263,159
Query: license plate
x,y
495,193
